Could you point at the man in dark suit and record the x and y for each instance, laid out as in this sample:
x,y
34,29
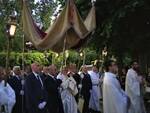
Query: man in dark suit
x,y
86,88
52,84
16,83
35,92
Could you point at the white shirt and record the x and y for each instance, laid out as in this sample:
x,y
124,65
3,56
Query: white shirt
x,y
38,77
114,98
51,76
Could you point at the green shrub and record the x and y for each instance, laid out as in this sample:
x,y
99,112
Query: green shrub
x,y
74,57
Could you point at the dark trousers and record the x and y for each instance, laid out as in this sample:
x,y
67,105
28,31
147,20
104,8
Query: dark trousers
x,y
92,111
86,103
37,111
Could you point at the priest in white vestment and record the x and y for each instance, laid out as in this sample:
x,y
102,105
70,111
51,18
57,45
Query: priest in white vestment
x,y
96,95
7,95
69,90
133,89
114,98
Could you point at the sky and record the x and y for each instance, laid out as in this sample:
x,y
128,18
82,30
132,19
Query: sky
x,y
56,11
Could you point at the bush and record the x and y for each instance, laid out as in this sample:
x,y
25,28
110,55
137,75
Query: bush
x,y
45,58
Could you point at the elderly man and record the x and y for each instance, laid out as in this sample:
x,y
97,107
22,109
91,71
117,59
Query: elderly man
x,y
35,92
86,87
51,85
134,83
16,83
7,95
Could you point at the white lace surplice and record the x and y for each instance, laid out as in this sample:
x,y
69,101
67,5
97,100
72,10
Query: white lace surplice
x,y
7,96
69,103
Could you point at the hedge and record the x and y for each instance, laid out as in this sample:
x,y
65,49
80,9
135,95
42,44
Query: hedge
x,y
45,58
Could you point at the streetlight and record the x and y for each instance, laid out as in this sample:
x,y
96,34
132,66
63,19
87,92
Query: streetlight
x,y
10,30
104,52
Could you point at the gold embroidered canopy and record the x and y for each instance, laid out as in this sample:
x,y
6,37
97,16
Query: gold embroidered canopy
x,y
69,29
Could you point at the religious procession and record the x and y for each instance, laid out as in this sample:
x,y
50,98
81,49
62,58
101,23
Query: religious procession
x,y
74,56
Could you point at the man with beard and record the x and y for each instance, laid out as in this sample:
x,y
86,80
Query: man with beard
x,y
134,83
114,98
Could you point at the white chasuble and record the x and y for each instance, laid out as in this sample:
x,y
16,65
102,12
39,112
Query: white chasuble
x,y
114,98
133,90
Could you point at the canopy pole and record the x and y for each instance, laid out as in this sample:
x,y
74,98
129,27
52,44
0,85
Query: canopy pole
x,y
23,50
64,49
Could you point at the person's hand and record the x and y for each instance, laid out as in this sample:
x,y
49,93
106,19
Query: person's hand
x,y
21,92
42,105
80,86
82,76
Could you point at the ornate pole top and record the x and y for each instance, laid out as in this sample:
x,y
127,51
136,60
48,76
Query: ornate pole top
x,y
93,2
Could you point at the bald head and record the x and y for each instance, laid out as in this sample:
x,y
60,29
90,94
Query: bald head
x,y
35,67
84,69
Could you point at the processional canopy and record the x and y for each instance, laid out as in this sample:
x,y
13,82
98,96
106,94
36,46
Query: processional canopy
x,y
69,28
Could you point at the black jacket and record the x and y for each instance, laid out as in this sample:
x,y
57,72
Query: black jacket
x,y
86,86
77,78
54,104
34,94
16,84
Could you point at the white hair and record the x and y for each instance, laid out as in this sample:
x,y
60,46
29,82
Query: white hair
x,y
16,67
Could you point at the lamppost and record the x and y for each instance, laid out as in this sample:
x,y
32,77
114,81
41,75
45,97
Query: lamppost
x,y
10,30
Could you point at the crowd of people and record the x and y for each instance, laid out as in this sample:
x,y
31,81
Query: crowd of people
x,y
45,89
